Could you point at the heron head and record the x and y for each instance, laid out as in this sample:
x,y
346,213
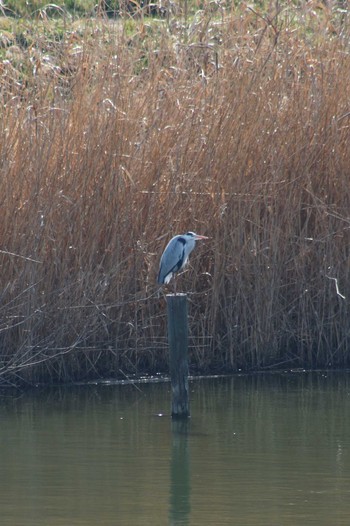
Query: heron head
x,y
195,236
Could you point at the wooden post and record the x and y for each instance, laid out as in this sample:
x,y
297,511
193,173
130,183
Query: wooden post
x,y
178,347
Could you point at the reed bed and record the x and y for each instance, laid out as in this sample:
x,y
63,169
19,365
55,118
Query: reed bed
x,y
234,124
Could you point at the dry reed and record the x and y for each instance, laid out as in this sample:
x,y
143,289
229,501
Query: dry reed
x,y
236,127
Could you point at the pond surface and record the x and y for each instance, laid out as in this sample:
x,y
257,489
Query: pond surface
x,y
259,450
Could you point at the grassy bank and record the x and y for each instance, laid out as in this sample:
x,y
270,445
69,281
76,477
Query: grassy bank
x,y
115,135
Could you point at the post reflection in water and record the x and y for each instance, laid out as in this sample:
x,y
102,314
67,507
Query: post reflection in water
x,y
180,483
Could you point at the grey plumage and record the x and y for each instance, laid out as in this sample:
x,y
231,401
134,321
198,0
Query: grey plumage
x,y
175,255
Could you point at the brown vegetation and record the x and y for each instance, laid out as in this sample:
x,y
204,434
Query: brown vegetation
x,y
236,127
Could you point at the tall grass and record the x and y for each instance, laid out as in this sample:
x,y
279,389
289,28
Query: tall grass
x,y
235,126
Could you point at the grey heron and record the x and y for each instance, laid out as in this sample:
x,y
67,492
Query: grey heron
x,y
175,255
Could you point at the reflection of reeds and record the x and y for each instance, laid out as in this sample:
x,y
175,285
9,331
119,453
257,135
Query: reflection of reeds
x,y
244,138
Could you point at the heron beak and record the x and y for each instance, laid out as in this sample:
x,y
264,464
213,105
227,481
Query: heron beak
x,y
201,237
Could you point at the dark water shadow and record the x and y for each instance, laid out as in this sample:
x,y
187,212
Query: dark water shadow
x,y
180,476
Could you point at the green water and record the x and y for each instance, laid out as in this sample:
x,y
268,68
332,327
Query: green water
x,y
268,450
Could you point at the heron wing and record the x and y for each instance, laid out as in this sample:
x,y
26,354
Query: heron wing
x,y
172,259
